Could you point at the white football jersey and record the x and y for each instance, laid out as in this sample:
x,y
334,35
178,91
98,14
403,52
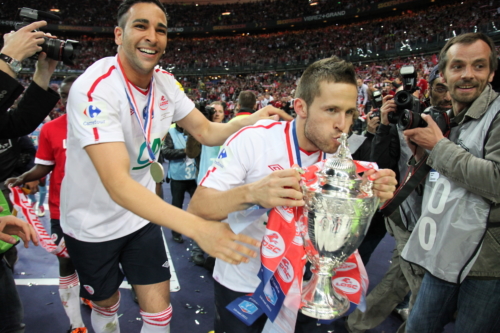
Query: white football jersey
x,y
99,112
249,155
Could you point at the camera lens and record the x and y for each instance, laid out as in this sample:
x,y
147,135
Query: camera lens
x,y
403,98
410,120
61,50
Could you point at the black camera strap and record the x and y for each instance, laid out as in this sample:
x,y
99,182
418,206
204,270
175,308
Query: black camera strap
x,y
414,176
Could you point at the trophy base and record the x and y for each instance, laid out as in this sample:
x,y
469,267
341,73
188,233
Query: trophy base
x,y
320,300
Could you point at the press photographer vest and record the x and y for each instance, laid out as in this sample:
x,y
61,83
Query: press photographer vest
x,y
355,141
411,208
448,236
179,169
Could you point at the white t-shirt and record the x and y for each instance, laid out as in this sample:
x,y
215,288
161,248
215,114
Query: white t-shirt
x,y
248,156
98,112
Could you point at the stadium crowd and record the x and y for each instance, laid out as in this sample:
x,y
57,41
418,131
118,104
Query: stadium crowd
x,y
410,31
104,149
87,13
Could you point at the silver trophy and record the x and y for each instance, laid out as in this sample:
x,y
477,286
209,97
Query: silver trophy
x,y
338,209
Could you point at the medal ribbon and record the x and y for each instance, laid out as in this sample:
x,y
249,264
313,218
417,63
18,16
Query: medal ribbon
x,y
147,113
296,146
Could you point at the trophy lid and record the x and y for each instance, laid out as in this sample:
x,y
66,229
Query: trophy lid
x,y
339,177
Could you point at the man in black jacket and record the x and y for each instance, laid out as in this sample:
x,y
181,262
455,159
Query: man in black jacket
x,y
38,99
36,104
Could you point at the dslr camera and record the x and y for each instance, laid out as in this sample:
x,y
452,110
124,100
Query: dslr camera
x,y
407,115
65,51
408,108
208,111
377,104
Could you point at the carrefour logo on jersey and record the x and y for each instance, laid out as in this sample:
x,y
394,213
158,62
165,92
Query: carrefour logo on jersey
x,y
224,158
94,114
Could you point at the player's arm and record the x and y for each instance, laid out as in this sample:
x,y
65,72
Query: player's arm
x,y
280,188
112,163
214,134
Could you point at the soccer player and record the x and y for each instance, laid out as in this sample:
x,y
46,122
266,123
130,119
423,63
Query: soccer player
x,y
254,168
118,112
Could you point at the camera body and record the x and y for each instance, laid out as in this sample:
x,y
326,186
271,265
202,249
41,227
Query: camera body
x,y
207,110
408,108
407,115
377,104
65,51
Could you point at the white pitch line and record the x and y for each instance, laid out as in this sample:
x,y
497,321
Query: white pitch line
x,y
174,282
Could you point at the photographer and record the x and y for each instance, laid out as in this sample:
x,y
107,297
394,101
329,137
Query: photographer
x,y
391,150
457,235
38,99
36,104
204,156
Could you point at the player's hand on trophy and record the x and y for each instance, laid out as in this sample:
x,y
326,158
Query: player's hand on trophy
x,y
280,188
219,241
384,183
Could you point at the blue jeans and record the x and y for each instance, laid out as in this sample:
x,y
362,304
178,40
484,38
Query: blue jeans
x,y
11,308
42,190
477,303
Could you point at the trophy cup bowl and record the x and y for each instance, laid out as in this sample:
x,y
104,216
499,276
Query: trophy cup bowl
x,y
338,211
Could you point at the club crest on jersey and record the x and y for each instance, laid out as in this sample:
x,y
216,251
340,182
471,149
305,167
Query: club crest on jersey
x,y
89,289
248,307
285,270
347,285
94,114
163,103
273,244
275,167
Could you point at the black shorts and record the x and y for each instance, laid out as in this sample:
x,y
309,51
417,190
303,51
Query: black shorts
x,y
142,255
56,233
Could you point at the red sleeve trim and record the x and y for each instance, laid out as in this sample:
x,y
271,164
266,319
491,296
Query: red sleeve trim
x,y
258,126
163,71
208,173
96,134
96,82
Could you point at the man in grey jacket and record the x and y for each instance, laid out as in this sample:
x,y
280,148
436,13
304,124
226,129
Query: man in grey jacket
x,y
457,237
